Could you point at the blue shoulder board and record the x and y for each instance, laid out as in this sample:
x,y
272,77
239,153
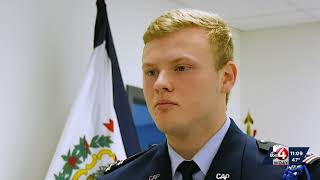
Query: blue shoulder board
x,y
119,163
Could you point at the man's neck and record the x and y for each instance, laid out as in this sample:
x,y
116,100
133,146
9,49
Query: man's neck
x,y
187,145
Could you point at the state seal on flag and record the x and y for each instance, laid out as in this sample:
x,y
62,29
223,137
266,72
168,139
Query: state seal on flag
x,y
80,160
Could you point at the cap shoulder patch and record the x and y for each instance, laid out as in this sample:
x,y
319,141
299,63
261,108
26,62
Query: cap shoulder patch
x,y
119,163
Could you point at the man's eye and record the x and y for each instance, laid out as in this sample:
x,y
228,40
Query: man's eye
x,y
182,68
150,73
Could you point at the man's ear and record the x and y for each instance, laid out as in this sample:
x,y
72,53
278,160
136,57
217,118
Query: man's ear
x,y
229,76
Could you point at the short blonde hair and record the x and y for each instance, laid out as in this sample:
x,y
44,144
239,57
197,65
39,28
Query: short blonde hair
x,y
219,34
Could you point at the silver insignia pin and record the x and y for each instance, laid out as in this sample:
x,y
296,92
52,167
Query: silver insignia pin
x,y
154,177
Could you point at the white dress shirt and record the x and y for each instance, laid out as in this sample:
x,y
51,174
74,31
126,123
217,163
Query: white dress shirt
x,y
202,158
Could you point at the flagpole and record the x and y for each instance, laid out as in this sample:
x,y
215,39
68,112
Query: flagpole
x,y
122,108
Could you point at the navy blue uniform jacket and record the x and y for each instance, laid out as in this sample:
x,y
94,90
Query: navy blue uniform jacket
x,y
239,156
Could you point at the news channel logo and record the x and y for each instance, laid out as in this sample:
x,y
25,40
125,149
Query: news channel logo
x,y
280,155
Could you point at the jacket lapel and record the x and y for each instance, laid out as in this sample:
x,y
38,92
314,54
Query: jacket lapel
x,y
160,168
227,162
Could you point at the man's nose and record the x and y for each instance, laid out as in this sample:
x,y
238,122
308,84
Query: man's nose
x,y
163,83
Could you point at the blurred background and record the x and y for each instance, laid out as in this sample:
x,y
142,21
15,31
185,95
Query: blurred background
x,y
46,45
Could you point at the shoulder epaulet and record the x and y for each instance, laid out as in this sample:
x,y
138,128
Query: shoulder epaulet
x,y
117,164
311,158
265,145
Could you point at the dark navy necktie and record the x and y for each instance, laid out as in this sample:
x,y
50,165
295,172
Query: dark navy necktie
x,y
187,168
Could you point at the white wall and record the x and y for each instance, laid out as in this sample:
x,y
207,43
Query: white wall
x,y
45,46
280,83
234,101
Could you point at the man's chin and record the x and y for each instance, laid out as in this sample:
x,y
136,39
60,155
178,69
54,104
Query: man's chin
x,y
174,131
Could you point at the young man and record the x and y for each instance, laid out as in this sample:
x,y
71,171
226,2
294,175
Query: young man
x,y
188,73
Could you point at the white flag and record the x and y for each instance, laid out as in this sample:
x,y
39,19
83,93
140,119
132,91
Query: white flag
x,y
99,129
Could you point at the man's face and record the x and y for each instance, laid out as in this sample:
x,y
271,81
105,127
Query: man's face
x,y
181,86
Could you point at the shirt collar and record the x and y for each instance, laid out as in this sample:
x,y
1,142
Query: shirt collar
x,y
205,155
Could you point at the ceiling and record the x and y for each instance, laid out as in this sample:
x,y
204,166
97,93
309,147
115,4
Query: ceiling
x,y
247,15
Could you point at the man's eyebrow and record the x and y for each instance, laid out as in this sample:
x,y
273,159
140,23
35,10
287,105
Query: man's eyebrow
x,y
144,65
180,60
175,61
